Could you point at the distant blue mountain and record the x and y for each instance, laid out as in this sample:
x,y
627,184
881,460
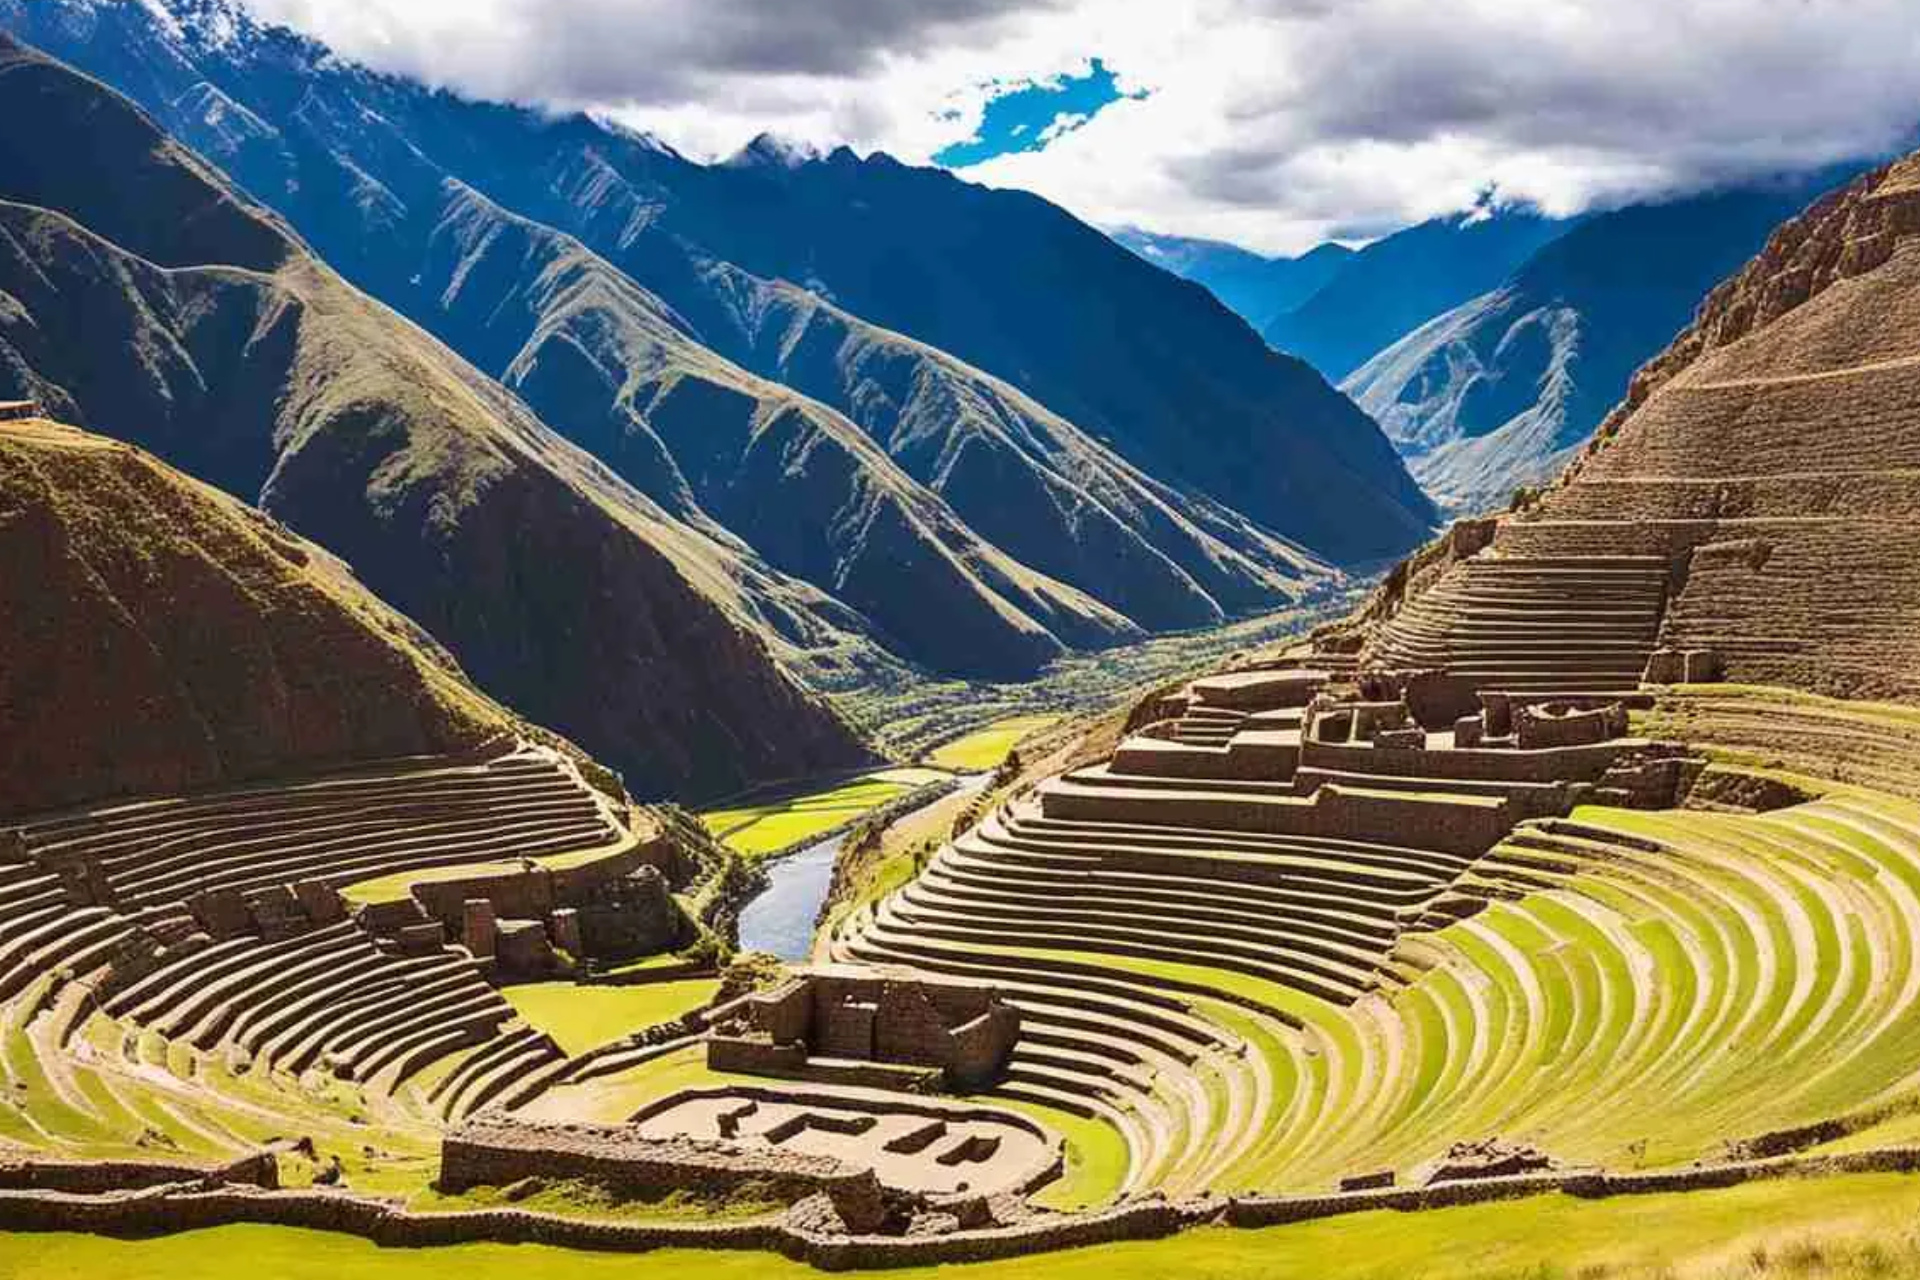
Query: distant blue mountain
x,y
1401,281
1499,391
1259,288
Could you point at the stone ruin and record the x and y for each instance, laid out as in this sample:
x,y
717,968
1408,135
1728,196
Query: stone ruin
x,y
1682,666
1487,1158
19,410
537,922
916,1144
875,1026
1567,724
824,1195
273,913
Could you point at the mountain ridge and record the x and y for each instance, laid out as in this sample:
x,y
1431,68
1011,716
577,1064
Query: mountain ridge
x,y
352,151
452,501
1499,392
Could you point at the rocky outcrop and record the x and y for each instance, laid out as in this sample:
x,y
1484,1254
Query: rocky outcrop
x,y
1848,232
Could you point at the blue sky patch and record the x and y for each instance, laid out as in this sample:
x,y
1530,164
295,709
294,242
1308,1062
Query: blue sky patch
x,y
1027,115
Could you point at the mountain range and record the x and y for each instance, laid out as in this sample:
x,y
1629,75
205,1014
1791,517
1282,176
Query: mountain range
x,y
1257,287
142,296
1402,280
935,405
1499,391
1489,345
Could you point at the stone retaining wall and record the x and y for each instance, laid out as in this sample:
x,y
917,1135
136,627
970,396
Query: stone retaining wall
x,y
1577,763
1466,826
494,1151
161,1210
95,1177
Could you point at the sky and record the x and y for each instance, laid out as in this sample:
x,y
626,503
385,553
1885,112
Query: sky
x,y
1274,124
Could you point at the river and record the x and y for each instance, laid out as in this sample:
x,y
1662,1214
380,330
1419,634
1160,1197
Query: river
x,y
779,919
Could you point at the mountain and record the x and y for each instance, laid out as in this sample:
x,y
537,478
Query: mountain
x,y
1497,392
161,636
738,457
141,296
1765,466
974,297
1399,282
1256,287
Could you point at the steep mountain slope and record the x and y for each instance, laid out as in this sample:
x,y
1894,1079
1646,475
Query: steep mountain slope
x,y
610,366
157,635
1497,392
1401,281
1025,477
195,324
1143,365
1148,363
1256,287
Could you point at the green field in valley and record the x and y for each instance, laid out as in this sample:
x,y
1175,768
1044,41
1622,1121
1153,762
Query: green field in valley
x,y
985,748
779,822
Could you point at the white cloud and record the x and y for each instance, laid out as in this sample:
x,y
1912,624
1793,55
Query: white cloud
x,y
1268,122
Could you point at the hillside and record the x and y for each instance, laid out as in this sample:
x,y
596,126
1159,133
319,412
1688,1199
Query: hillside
x,y
1256,287
738,457
1401,281
1141,364
1497,392
204,331
161,636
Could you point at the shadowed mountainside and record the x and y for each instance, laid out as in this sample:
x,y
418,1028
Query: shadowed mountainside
x,y
207,333
1497,392
1154,376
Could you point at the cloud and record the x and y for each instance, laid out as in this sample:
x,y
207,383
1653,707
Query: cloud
x,y
1273,123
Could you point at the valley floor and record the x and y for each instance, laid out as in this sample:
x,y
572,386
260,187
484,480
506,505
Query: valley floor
x,y
912,719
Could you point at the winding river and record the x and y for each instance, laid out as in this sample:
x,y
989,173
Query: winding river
x,y
780,918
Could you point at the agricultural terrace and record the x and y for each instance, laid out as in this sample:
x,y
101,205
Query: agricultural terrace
x,y
580,1017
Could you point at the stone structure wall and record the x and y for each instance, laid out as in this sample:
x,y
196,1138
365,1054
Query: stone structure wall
x,y
1564,724
535,892
158,1210
613,908
1453,824
93,1177
1582,763
963,1029
495,1151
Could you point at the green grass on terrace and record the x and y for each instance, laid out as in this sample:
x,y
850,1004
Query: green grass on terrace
x,y
1849,1228
580,1018
392,888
